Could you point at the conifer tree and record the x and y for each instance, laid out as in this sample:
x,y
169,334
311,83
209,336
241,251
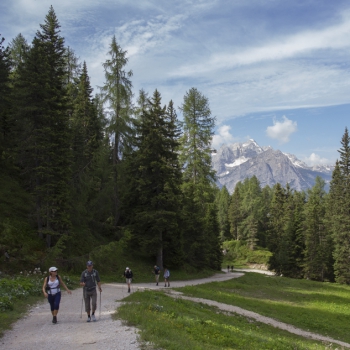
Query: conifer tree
x,y
117,93
318,248
18,49
276,229
42,110
198,177
5,103
340,199
152,196
235,212
223,199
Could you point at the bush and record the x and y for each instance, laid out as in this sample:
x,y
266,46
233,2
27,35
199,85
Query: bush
x,y
239,252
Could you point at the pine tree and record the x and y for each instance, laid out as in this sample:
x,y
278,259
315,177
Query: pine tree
x,y
117,92
42,110
5,101
223,200
340,203
235,212
152,196
276,229
318,246
198,177
18,50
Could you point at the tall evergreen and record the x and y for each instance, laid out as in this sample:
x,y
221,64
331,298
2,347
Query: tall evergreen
x,y
340,203
5,100
235,214
152,196
18,49
117,93
42,112
223,199
198,179
318,247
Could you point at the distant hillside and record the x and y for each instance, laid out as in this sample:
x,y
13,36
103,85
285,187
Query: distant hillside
x,y
234,163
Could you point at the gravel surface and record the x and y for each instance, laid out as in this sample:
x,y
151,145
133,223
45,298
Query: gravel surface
x,y
36,330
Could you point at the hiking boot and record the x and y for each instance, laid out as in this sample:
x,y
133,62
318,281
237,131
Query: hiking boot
x,y
93,318
54,319
157,284
164,285
89,319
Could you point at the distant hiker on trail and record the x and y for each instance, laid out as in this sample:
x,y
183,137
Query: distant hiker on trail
x,y
128,277
228,268
7,256
166,277
231,268
89,280
156,272
52,291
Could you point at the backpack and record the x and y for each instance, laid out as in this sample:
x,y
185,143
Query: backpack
x,y
128,274
47,287
93,275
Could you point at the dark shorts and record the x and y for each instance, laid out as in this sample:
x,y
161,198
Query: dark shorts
x,y
54,301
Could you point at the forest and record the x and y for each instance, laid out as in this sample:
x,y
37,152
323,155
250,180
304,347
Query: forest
x,y
83,173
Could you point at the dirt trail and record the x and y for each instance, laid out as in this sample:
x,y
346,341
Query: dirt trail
x,y
36,331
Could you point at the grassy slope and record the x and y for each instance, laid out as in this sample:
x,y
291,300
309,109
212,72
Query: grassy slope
x,y
175,324
318,307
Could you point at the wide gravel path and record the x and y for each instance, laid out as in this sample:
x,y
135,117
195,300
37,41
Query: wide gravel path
x,y
36,331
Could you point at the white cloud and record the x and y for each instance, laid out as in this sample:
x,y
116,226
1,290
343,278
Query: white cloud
x,y
315,159
333,38
223,136
282,130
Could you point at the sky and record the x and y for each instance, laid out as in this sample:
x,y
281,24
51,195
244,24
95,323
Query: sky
x,y
275,71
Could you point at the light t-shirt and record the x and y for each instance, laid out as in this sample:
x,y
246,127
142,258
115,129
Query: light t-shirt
x,y
54,286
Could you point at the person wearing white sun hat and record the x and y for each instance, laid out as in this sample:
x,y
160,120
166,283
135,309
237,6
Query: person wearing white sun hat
x,y
52,291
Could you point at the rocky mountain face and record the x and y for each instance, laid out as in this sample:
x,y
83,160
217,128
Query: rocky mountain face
x,y
234,163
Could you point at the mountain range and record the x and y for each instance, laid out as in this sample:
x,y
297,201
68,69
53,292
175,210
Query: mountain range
x,y
235,162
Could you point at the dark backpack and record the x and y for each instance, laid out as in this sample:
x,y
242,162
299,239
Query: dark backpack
x,y
93,276
47,288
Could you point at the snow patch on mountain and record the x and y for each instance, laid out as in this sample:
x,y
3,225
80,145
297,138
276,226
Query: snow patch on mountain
x,y
237,162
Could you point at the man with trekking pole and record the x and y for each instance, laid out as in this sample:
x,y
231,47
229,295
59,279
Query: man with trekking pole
x,y
128,275
89,280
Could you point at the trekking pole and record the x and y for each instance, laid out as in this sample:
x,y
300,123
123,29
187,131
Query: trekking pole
x,y
82,300
99,316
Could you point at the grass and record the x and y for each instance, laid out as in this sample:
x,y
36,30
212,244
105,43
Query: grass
x,y
19,293
176,324
322,308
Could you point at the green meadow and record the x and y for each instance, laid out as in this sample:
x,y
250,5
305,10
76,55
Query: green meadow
x,y
169,323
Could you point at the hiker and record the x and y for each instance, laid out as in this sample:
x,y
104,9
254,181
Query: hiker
x,y
228,268
128,277
89,280
52,291
156,272
166,277
231,268
7,256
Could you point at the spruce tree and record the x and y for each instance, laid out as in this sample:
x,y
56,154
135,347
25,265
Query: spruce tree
x,y
117,93
318,246
5,101
339,205
151,194
18,49
223,200
235,215
42,111
198,178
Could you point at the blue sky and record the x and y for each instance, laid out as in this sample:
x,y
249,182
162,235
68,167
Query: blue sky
x,y
275,71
